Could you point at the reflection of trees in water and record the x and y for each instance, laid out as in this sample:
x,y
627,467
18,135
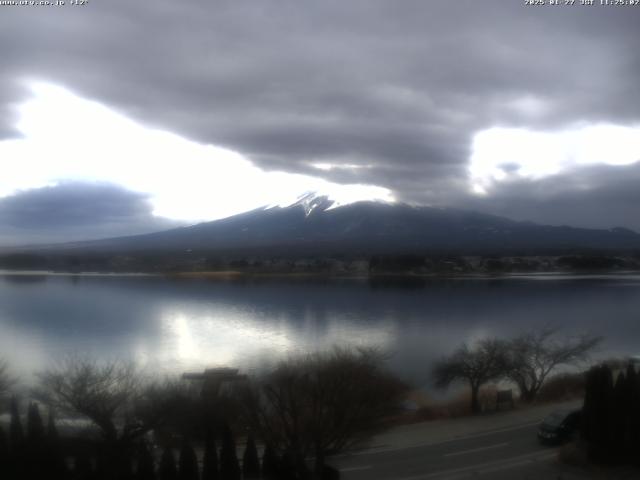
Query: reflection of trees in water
x,y
401,281
26,278
258,320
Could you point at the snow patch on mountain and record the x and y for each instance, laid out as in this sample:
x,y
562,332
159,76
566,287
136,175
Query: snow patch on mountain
x,y
323,202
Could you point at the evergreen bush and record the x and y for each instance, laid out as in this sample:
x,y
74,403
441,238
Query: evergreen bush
x,y
250,461
270,463
611,415
229,466
188,463
210,460
167,470
146,466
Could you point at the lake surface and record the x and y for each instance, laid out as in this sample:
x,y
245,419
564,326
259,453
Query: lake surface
x,y
169,325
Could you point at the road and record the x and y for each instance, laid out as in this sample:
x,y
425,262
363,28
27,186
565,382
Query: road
x,y
497,446
507,453
507,450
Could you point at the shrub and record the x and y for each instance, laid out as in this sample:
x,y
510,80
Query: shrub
x,y
270,462
229,466
167,470
146,468
250,461
564,386
188,463
210,460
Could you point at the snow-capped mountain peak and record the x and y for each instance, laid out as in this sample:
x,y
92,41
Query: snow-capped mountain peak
x,y
315,201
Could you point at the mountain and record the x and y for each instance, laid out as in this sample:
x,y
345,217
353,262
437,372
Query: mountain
x,y
316,226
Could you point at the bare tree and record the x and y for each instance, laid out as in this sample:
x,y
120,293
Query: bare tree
x,y
535,355
111,395
103,393
477,365
323,403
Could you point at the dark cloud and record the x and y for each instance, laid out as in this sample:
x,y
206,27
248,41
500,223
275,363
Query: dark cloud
x,y
592,197
398,87
73,211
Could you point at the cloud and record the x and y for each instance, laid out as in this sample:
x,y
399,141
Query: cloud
x,y
501,154
288,84
65,137
76,211
592,196
72,204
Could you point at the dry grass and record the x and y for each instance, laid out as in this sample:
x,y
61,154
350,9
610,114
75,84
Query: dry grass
x,y
559,388
562,387
455,407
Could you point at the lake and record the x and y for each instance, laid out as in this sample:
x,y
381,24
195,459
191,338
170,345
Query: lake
x,y
170,325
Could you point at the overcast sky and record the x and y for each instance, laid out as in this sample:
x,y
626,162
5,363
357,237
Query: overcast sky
x,y
121,117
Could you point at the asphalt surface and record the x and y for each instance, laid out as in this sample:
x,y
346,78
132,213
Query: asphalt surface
x,y
510,453
452,458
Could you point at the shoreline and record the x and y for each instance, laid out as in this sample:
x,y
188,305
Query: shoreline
x,y
237,274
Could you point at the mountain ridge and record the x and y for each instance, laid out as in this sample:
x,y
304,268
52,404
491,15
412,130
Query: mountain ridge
x,y
314,225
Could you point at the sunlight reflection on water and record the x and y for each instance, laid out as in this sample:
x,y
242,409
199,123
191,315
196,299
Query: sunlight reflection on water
x,y
173,326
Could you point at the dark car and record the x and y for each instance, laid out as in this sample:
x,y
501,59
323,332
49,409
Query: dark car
x,y
560,426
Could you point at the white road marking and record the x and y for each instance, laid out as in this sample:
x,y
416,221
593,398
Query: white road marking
x,y
474,450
